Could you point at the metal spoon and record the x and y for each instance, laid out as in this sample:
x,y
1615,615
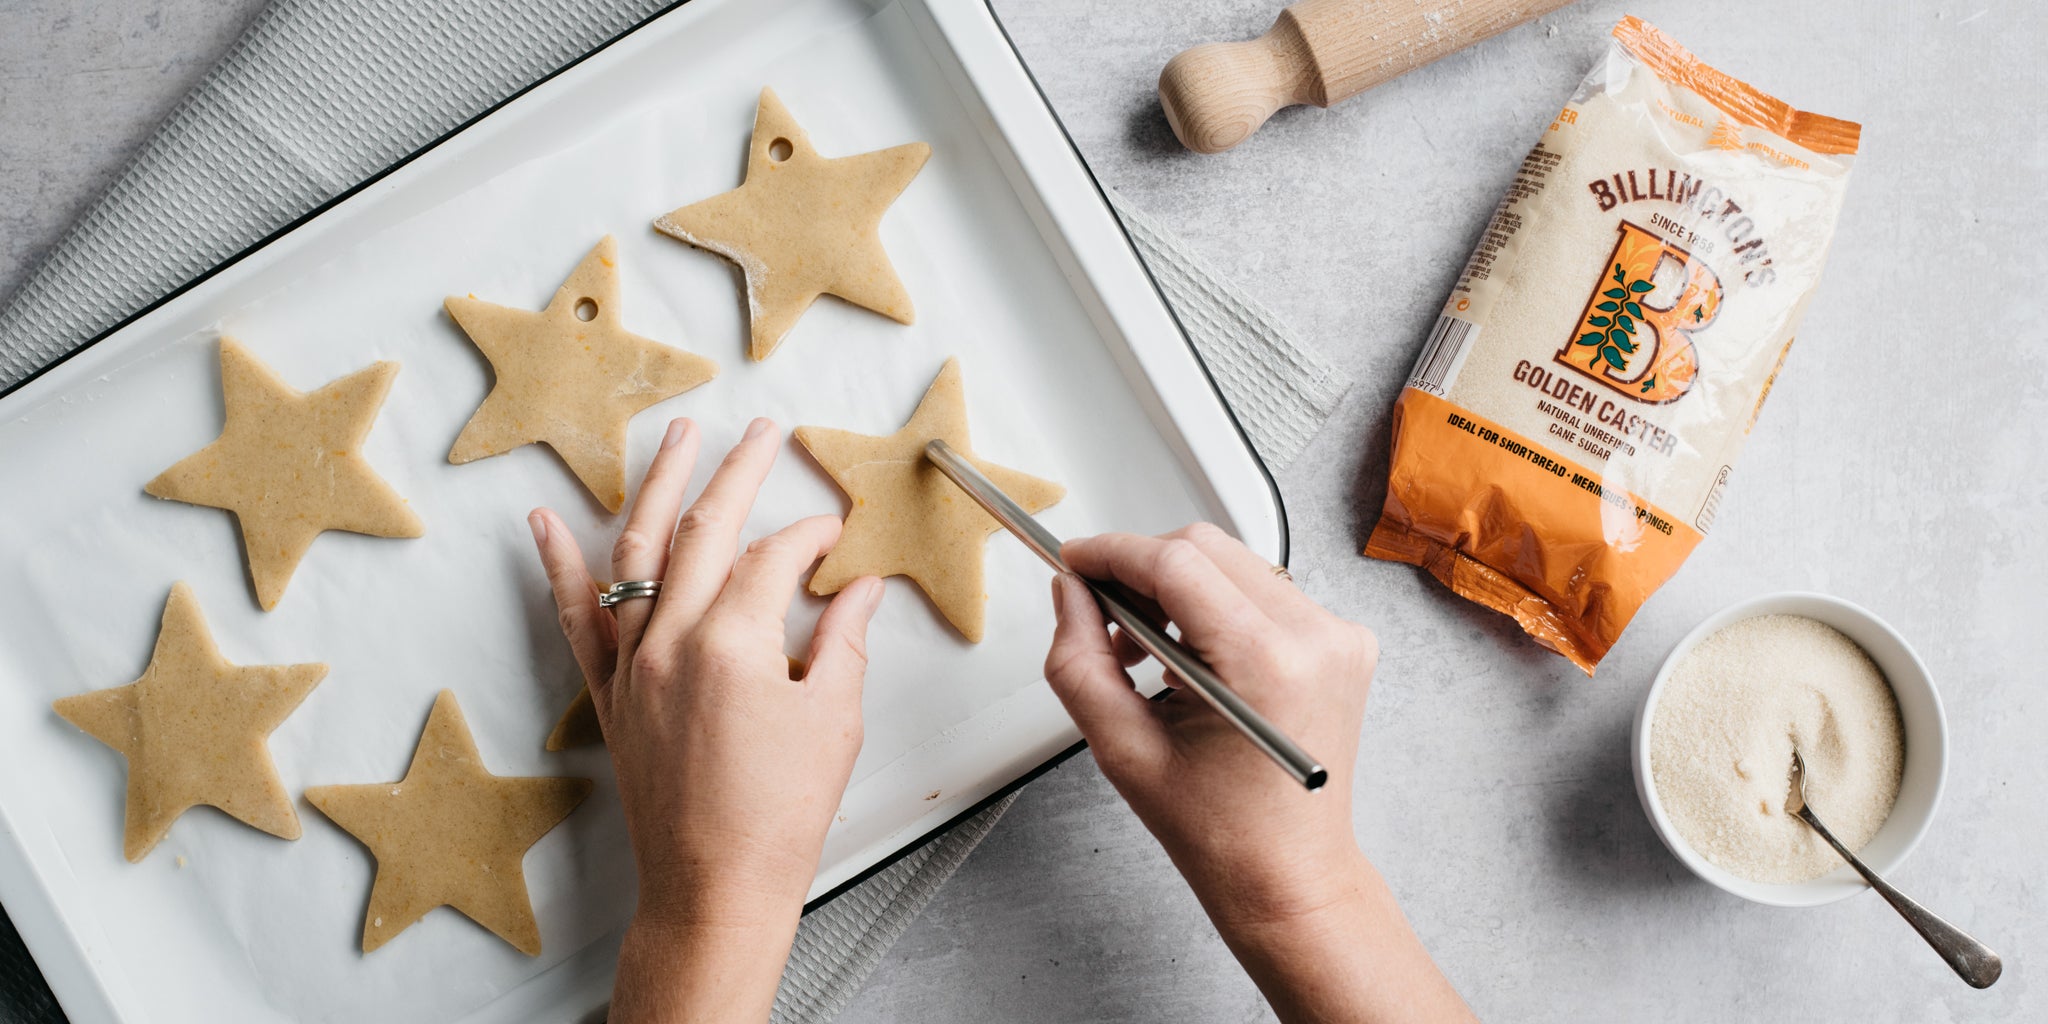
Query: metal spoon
x,y
1971,960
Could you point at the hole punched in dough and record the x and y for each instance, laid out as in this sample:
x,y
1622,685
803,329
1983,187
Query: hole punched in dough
x,y
780,150
586,310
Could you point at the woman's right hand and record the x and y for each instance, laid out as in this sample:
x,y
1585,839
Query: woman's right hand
x,y
1276,866
1214,801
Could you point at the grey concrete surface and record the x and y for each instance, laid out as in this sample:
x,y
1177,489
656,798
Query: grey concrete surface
x,y
81,85
1899,464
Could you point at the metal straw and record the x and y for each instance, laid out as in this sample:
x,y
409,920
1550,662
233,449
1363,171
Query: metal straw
x,y
1123,608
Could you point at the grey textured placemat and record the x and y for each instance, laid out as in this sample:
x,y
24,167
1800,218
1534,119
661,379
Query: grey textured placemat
x,y
317,96
1279,388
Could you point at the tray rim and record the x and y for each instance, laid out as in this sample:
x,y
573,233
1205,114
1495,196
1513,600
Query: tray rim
x,y
83,992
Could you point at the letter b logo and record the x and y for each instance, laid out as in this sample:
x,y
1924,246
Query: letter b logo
x,y
1642,350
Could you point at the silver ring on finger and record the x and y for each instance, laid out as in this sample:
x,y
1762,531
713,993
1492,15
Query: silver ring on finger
x,y
626,590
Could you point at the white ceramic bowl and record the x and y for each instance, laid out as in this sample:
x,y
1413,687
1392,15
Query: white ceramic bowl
x,y
1926,749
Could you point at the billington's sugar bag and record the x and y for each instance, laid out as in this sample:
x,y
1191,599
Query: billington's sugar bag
x,y
1569,430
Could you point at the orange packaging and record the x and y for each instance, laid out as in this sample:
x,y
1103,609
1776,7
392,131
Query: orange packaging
x,y
1571,425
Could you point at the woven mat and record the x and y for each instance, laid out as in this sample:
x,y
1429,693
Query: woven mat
x,y
317,96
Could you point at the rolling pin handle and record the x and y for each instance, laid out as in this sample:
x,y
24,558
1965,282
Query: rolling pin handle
x,y
1319,52
1217,94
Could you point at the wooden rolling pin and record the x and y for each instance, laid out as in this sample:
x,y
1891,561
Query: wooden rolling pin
x,y
1320,52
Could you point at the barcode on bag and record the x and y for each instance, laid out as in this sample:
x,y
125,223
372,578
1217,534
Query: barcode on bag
x,y
1443,355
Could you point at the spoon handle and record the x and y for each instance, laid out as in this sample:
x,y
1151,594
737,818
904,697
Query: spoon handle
x,y
1973,961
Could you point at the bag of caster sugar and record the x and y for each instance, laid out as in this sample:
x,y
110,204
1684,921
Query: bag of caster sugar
x,y
1569,430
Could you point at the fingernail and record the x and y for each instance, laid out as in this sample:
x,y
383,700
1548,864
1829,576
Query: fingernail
x,y
676,429
539,523
758,427
871,598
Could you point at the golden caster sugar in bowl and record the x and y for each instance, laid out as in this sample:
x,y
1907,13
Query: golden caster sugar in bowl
x,y
1572,423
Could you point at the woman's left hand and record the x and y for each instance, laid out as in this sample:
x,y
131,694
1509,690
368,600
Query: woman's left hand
x,y
730,771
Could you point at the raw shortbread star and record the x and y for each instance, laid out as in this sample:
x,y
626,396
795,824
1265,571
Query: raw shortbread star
x,y
802,225
578,725
290,466
193,729
450,834
569,382
907,518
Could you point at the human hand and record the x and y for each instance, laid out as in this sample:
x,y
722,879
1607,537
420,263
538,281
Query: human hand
x,y
1254,844
1275,866
729,770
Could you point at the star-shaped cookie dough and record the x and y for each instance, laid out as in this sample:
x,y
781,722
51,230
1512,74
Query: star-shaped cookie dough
x,y
290,466
578,725
193,729
570,375
450,834
802,225
907,518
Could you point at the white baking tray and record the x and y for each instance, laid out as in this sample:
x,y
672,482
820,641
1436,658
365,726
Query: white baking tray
x,y
1075,370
